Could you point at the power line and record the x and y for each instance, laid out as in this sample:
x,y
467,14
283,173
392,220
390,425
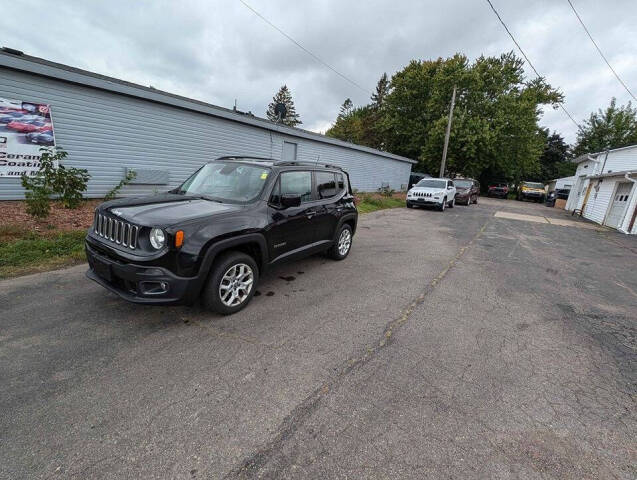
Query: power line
x,y
527,59
600,51
315,57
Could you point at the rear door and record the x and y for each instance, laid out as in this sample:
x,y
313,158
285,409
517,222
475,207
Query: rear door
x,y
327,207
291,228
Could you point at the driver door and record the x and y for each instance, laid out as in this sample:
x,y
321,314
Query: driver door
x,y
291,229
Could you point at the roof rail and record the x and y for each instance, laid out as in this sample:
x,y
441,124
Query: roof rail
x,y
245,157
306,164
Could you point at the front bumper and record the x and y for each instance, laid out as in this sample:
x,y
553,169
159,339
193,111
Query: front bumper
x,y
534,195
139,283
423,201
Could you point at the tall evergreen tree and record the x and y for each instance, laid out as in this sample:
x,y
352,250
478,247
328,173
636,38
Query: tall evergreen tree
x,y
346,109
614,127
284,95
382,89
555,160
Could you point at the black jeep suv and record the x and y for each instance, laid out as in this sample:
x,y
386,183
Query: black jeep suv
x,y
215,234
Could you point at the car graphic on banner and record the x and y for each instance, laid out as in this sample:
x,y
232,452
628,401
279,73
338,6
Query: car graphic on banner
x,y
25,127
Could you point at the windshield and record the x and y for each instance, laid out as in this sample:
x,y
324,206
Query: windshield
x,y
431,183
463,183
227,182
534,185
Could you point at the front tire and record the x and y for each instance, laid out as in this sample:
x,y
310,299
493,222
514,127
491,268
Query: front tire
x,y
343,243
443,204
231,283
409,205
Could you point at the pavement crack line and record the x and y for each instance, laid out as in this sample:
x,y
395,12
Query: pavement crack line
x,y
252,465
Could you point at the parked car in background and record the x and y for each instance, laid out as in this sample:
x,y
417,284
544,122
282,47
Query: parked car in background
x,y
498,189
437,192
561,193
467,190
415,177
531,190
215,235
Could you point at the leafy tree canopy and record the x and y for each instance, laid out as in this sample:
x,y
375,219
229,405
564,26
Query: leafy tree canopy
x,y
495,132
292,119
613,127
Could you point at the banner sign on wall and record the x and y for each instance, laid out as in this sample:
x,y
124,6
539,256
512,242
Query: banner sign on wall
x,y
25,127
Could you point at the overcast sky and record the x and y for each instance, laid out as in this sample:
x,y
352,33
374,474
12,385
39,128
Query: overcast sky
x,y
217,51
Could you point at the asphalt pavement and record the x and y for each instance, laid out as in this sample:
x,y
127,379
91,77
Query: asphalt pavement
x,y
450,344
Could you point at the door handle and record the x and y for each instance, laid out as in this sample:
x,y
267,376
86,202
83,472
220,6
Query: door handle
x,y
310,213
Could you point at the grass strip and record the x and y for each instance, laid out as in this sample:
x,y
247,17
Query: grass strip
x,y
35,253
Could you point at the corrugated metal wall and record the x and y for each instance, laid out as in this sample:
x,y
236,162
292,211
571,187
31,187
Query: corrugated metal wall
x,y
107,133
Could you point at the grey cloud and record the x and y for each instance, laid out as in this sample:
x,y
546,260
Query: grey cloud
x,y
217,51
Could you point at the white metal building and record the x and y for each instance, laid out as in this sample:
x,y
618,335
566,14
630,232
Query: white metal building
x,y
108,126
605,189
560,183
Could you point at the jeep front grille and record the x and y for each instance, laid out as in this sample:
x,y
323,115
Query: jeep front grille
x,y
422,194
117,231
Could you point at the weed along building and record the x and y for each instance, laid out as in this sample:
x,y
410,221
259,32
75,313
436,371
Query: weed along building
x,y
109,126
605,188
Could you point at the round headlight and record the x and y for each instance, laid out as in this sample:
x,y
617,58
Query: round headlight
x,y
157,238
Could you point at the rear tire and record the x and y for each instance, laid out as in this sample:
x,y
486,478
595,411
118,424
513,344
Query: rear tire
x,y
239,274
452,203
343,244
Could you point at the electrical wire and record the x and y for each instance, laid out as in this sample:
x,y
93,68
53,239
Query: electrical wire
x,y
600,51
529,61
315,57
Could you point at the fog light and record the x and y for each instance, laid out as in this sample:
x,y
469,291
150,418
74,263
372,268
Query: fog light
x,y
153,288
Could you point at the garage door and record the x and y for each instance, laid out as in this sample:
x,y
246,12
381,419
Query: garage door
x,y
620,200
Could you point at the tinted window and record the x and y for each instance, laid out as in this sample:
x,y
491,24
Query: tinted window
x,y
450,184
340,181
325,184
463,183
297,183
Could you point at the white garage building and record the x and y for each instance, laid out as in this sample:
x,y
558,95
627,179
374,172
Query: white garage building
x,y
109,126
605,189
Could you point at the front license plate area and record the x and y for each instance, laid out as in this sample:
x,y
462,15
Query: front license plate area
x,y
102,269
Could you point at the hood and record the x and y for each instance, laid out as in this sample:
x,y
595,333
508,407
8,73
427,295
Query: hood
x,y
462,189
165,210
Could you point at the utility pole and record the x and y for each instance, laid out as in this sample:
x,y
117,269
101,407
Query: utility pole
x,y
444,150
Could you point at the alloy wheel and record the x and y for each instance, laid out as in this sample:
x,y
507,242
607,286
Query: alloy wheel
x,y
236,285
344,242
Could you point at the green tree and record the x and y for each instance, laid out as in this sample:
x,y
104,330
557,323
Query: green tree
x,y
495,131
613,127
346,109
292,119
555,159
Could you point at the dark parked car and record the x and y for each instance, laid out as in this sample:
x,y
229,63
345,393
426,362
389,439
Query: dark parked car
x,y
498,189
213,236
561,193
467,190
415,177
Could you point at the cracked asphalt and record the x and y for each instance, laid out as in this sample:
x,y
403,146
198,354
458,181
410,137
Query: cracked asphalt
x,y
447,345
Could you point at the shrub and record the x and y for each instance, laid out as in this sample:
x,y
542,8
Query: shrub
x,y
130,176
53,179
386,191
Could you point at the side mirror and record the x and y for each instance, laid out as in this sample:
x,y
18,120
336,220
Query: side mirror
x,y
449,187
290,200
